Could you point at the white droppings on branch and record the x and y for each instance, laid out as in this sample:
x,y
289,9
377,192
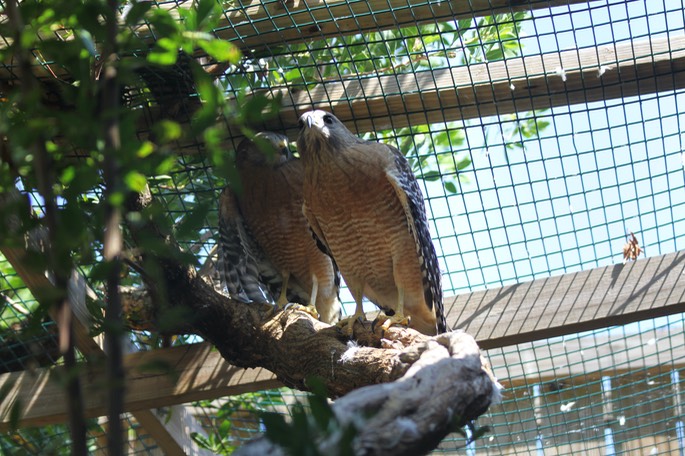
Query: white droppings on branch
x,y
352,349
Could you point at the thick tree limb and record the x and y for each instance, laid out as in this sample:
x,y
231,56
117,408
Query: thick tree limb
x,y
410,416
296,347
442,381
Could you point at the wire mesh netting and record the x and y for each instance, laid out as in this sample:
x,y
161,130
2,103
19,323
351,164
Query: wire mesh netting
x,y
542,137
613,391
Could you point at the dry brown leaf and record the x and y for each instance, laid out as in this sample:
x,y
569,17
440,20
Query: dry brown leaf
x,y
632,249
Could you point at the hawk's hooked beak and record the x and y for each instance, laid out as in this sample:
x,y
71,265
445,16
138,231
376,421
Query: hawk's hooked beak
x,y
309,120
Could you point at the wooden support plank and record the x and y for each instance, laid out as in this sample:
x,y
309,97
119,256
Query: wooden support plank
x,y
177,375
572,303
172,442
517,314
489,89
479,90
265,26
154,379
593,356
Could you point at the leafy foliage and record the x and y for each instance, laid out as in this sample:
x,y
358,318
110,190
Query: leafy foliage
x,y
227,418
53,124
307,429
50,440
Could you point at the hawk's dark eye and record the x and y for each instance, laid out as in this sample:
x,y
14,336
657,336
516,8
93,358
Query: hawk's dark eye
x,y
300,124
327,119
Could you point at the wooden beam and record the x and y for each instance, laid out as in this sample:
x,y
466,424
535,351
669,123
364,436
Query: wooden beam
x,y
157,378
177,375
590,356
172,442
478,90
266,26
516,314
571,303
496,88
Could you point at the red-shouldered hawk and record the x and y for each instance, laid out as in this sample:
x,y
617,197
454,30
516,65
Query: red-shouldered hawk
x,y
266,248
365,205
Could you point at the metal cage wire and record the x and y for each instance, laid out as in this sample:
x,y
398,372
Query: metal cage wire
x,y
513,193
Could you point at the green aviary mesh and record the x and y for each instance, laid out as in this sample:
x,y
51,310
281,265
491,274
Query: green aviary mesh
x,y
542,135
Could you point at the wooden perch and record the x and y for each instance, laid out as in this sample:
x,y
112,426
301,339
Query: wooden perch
x,y
442,381
412,415
296,347
292,344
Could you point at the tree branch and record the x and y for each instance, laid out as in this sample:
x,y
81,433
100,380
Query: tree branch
x,y
412,415
113,241
443,378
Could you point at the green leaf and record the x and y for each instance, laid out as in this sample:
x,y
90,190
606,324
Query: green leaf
x,y
277,430
450,187
165,52
192,222
464,163
318,402
15,414
135,181
146,148
207,14
165,25
431,176
201,441
136,13
223,51
68,175
166,131
259,108
479,432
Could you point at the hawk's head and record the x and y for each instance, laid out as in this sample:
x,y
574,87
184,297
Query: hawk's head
x,y
321,129
266,148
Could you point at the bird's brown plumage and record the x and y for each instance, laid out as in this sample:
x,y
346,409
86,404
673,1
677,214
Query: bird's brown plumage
x,y
270,206
365,205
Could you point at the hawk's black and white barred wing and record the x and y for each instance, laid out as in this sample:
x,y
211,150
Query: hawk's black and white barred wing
x,y
238,254
415,210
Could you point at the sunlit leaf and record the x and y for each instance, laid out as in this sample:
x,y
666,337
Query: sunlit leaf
x,y
146,148
135,181
223,51
166,131
165,52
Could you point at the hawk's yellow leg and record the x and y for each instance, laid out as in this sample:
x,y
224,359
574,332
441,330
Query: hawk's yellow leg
x,y
398,318
282,302
347,324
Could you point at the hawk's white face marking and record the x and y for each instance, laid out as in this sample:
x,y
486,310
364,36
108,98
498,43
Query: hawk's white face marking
x,y
320,130
318,121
